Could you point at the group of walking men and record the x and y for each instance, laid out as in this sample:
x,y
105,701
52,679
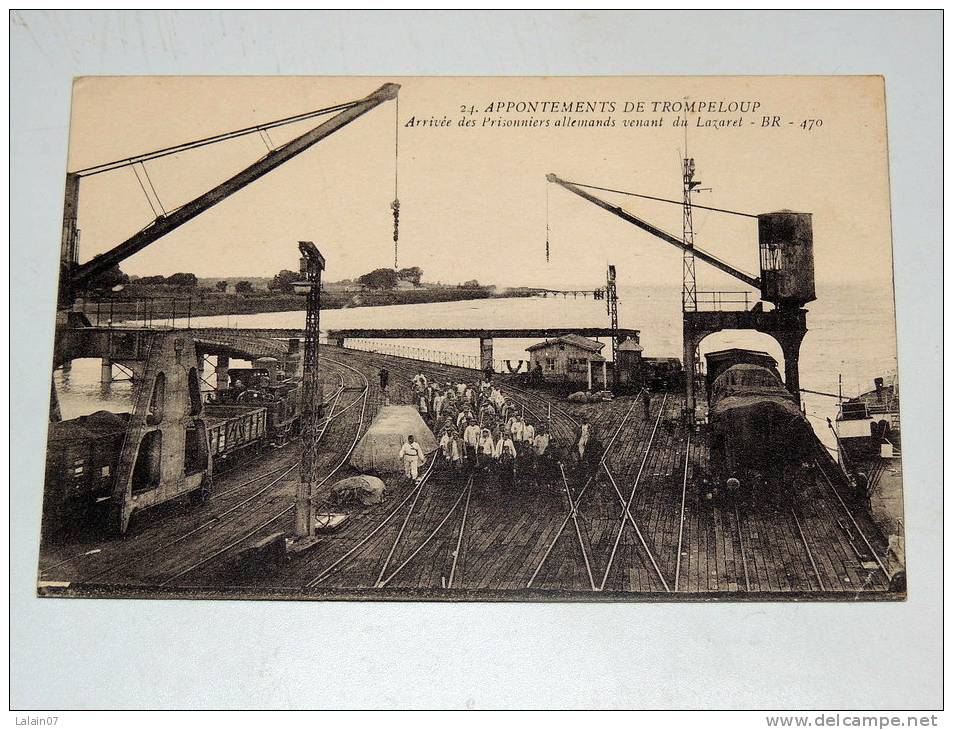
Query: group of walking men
x,y
481,430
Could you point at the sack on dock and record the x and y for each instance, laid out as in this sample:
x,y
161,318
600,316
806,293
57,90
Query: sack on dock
x,y
377,451
364,490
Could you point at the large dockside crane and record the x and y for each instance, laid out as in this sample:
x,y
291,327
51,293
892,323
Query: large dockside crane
x,y
162,356
74,276
786,281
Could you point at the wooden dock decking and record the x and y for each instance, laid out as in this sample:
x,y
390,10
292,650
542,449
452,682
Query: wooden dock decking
x,y
726,551
525,543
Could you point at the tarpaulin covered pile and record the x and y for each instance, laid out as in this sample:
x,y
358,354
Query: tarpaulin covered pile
x,y
377,450
755,421
358,490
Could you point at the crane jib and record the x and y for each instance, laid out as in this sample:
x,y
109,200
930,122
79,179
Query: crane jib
x,y
167,223
657,232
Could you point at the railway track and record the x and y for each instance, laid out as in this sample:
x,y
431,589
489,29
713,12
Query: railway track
x,y
626,517
442,535
217,519
339,563
807,550
743,551
878,558
568,423
242,464
449,535
626,509
383,581
681,515
575,501
808,571
216,552
397,549
257,500
523,399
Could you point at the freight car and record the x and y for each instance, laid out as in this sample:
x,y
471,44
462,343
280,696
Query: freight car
x,y
81,461
233,431
662,373
758,434
83,453
83,456
262,387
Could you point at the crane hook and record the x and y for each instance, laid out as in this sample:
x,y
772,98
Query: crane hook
x,y
395,206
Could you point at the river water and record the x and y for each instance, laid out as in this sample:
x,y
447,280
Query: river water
x,y
851,333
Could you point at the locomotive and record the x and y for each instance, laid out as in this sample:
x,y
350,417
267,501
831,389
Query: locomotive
x,y
259,409
758,434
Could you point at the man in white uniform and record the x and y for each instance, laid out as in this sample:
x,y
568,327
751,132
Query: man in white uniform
x,y
412,455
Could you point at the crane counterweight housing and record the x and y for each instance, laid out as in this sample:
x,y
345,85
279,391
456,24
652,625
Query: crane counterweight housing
x,y
786,242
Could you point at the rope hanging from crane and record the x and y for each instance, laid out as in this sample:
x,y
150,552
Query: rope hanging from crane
x,y
395,206
547,223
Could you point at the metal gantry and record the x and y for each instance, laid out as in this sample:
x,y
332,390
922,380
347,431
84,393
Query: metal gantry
x,y
312,264
689,289
612,307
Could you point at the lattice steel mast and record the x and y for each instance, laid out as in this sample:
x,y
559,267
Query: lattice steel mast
x,y
612,307
312,264
689,289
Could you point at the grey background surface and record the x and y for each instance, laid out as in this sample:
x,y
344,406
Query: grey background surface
x,y
105,653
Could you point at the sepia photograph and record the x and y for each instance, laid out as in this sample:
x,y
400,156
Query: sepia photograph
x,y
475,339
520,360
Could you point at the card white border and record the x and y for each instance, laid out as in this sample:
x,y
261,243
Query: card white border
x,y
206,654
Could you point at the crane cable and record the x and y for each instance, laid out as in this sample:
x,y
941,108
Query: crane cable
x,y
153,187
268,146
185,146
395,206
144,192
661,200
650,197
547,222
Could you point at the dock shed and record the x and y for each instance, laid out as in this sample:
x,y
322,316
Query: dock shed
x,y
568,359
630,363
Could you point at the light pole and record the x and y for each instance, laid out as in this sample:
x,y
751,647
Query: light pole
x,y
307,524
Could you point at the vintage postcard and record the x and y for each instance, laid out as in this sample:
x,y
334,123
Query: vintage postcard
x,y
594,338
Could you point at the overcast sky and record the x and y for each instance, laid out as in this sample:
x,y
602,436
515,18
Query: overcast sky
x,y
474,200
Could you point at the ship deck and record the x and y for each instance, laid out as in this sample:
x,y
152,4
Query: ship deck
x,y
467,537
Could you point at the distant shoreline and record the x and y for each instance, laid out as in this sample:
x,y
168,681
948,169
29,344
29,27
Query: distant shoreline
x,y
204,303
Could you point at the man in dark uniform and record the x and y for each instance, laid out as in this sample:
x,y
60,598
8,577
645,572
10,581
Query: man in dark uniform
x,y
537,376
385,378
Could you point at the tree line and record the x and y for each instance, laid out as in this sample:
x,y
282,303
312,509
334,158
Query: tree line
x,y
115,279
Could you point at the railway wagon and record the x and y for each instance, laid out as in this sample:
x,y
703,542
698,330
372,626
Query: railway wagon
x,y
81,460
662,373
83,456
260,387
233,430
256,411
758,434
